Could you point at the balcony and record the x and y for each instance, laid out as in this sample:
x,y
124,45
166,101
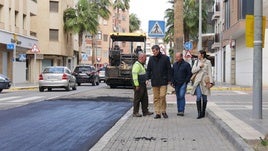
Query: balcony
x,y
235,31
217,12
216,43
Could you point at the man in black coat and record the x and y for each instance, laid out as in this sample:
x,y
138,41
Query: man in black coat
x,y
159,71
181,75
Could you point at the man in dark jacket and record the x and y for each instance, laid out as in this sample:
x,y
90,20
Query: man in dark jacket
x,y
181,75
159,71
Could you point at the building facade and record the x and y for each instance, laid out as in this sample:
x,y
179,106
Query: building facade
x,y
233,60
56,48
17,37
97,48
36,27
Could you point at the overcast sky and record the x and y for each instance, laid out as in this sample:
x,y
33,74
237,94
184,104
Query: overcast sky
x,y
147,10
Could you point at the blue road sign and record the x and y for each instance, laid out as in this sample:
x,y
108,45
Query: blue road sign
x,y
84,57
22,57
156,28
188,45
10,46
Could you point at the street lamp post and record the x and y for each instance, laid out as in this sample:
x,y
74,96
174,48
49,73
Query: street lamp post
x,y
257,60
199,47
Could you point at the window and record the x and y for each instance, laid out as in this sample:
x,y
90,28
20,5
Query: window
x,y
105,37
246,7
1,13
123,17
16,18
53,6
53,34
99,35
105,22
227,15
24,21
98,52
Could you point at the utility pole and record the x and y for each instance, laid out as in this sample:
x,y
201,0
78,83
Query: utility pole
x,y
257,60
199,46
16,42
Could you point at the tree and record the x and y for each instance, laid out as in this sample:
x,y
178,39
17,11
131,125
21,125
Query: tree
x,y
120,5
84,18
190,17
134,23
178,25
169,36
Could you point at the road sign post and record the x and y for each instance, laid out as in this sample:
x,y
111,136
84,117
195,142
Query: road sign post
x,y
35,50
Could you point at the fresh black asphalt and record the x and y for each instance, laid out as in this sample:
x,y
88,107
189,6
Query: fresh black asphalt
x,y
59,125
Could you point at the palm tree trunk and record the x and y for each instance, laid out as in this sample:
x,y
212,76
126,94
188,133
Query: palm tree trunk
x,y
80,41
178,26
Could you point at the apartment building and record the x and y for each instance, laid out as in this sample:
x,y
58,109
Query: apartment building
x,y
97,48
16,37
56,48
233,60
37,25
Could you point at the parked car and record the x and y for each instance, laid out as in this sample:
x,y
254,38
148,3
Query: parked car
x,y
102,74
57,77
5,83
86,74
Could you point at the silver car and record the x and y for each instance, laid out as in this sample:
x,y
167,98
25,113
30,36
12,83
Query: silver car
x,y
56,77
102,74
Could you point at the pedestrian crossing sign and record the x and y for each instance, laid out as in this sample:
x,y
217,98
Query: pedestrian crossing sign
x,y
84,57
156,29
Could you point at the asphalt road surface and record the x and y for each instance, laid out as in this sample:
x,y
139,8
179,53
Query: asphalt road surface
x,y
60,125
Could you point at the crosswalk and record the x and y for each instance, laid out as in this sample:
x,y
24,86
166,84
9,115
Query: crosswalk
x,y
19,99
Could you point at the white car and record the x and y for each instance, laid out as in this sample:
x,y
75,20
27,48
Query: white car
x,y
56,77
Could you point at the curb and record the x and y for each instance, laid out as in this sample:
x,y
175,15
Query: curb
x,y
23,88
230,135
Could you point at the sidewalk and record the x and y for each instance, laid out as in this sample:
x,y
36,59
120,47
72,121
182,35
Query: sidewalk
x,y
225,124
229,114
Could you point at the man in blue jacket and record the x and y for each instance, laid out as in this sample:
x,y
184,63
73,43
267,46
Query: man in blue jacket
x,y
159,71
181,75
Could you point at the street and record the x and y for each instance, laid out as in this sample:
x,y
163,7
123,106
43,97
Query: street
x,y
56,121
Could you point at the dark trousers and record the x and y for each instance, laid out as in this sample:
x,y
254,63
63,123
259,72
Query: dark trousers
x,y
140,96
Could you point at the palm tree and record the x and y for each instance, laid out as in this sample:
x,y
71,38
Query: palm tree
x,y
84,18
134,23
169,15
178,25
190,17
169,36
120,5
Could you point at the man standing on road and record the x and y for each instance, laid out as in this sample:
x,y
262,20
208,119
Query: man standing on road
x,y
181,74
140,89
159,71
